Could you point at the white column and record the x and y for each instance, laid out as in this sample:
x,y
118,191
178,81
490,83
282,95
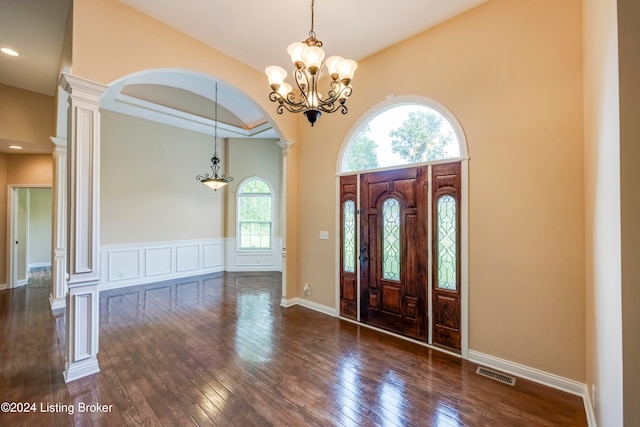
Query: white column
x,y
285,145
59,223
83,203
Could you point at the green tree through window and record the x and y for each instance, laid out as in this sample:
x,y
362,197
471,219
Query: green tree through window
x,y
254,214
362,152
420,138
403,134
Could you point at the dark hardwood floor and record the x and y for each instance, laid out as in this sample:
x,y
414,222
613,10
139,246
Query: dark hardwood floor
x,y
219,350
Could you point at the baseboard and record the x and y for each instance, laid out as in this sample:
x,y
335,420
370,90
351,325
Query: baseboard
x,y
39,264
146,280
309,304
3,286
588,407
545,378
252,269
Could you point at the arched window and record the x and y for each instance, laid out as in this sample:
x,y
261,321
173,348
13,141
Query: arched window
x,y
255,214
401,134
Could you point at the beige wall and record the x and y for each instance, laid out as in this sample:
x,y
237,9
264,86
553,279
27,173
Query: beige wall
x,y
253,157
602,210
25,116
511,72
629,66
148,186
30,169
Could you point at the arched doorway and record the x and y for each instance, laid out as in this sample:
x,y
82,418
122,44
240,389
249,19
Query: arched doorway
x,y
84,250
403,223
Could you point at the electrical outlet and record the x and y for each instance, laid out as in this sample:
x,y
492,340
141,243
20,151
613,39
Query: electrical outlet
x,y
121,274
307,289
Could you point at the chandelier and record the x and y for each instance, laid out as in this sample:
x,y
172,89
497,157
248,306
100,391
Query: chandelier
x,y
308,59
215,181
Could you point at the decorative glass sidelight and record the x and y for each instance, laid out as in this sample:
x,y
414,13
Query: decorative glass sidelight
x,y
447,242
349,236
391,239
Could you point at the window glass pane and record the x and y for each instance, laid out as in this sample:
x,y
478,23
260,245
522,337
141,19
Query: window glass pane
x,y
255,235
255,186
349,233
254,215
254,208
401,135
391,239
447,256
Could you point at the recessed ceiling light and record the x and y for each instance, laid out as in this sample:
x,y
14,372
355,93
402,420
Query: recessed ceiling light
x,y
9,52
15,147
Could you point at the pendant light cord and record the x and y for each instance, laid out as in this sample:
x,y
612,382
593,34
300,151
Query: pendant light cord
x,y
215,123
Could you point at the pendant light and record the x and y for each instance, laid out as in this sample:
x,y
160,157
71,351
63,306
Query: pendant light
x,y
216,181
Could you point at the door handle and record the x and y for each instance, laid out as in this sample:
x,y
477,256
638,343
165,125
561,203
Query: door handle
x,y
364,255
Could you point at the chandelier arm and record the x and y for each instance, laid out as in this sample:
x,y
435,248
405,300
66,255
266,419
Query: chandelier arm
x,y
302,81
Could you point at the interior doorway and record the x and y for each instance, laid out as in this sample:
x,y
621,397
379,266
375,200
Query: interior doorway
x,y
29,223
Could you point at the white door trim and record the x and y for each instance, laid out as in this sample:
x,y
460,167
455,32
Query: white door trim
x,y
12,206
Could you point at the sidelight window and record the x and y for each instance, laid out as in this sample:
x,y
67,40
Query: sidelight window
x,y
349,236
447,242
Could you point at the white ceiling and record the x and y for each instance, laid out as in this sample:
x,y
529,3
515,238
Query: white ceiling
x,y
255,32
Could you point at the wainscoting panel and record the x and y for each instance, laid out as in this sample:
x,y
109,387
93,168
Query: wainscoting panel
x,y
140,263
158,260
246,260
187,257
124,264
213,255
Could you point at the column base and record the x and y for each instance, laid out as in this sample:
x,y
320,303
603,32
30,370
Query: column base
x,y
57,303
80,370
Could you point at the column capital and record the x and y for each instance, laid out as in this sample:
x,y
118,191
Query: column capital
x,y
285,145
60,143
82,88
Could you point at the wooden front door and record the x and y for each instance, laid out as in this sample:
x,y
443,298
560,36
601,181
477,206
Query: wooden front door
x,y
393,250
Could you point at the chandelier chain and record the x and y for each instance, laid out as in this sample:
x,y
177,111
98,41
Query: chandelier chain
x,y
312,33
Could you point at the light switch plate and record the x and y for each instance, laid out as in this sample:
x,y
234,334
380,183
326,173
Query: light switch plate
x,y
324,235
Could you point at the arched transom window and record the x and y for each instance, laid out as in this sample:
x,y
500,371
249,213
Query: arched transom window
x,y
402,134
255,214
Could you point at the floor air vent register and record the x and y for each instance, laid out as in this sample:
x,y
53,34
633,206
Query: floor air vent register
x,y
494,375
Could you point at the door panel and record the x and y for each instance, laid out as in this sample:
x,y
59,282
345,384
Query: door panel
x,y
445,236
392,241
348,251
